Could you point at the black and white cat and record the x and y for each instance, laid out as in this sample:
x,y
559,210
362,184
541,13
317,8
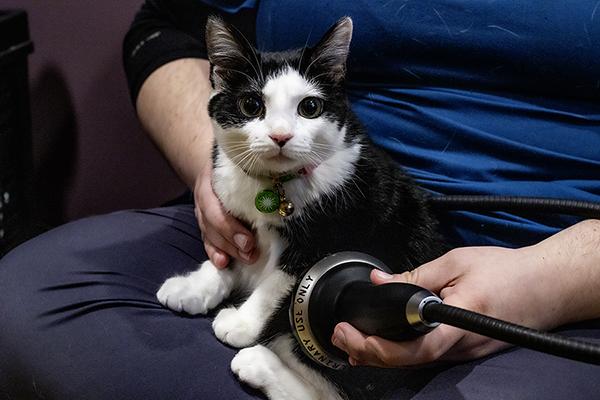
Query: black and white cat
x,y
279,115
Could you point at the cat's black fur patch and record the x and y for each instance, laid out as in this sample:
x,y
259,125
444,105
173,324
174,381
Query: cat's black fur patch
x,y
383,214
378,211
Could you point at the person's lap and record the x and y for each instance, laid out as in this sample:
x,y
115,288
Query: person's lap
x,y
79,320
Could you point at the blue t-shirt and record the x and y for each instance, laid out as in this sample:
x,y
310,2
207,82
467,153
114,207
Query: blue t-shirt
x,y
470,96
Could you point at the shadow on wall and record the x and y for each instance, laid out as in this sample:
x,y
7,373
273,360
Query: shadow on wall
x,y
90,153
54,131
117,166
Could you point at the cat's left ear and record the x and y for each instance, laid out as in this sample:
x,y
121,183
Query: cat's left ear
x,y
331,53
229,52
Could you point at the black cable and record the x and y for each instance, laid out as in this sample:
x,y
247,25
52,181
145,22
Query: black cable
x,y
515,204
511,333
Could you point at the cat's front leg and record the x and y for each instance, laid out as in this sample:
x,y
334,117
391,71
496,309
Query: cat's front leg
x,y
279,374
262,369
241,327
198,292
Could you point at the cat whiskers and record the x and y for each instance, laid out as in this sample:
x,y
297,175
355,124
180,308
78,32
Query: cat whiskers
x,y
323,146
313,158
312,62
323,150
235,150
236,147
313,80
253,162
239,72
242,159
261,76
248,159
304,49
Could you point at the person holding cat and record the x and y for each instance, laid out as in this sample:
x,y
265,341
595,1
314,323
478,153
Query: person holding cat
x,y
477,98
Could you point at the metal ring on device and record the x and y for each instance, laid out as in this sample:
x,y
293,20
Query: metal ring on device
x,y
299,310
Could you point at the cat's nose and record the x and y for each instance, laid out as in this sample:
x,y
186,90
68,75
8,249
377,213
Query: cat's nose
x,y
280,138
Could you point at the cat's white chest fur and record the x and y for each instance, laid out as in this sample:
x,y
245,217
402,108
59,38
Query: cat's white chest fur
x,y
237,192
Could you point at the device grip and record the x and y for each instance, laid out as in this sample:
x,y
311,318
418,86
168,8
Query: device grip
x,y
385,310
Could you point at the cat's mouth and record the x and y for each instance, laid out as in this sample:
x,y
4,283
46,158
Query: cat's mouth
x,y
280,161
280,157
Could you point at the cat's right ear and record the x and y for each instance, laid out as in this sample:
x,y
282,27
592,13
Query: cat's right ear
x,y
331,52
229,52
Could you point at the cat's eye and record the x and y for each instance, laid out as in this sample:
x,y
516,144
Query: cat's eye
x,y
251,106
310,107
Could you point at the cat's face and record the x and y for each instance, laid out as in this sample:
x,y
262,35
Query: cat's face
x,y
278,112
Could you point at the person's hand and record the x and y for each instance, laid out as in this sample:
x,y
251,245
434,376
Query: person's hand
x,y
476,279
494,281
531,286
223,235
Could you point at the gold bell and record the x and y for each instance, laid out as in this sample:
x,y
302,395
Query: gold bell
x,y
286,208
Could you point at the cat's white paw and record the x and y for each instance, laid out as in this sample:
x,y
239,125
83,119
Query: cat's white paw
x,y
236,328
180,294
256,366
196,293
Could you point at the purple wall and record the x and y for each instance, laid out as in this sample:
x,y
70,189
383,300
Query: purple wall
x,y
90,154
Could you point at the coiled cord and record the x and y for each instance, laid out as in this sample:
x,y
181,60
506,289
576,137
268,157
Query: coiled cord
x,y
515,204
511,333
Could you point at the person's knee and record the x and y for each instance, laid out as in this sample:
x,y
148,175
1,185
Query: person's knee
x,y
22,272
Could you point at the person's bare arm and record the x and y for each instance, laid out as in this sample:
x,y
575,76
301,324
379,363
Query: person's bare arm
x,y
172,107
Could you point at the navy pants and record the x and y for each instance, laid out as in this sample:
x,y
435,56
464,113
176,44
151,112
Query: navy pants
x,y
79,320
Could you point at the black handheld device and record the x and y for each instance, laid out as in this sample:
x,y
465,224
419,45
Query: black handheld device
x,y
338,288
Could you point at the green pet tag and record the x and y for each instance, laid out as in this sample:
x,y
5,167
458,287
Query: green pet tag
x,y
267,201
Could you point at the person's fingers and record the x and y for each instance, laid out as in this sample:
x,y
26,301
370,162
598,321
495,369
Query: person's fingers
x,y
220,249
351,341
224,246
434,275
218,258
376,351
215,222
200,219
227,226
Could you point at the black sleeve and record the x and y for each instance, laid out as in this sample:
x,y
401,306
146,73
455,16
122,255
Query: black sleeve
x,y
165,30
